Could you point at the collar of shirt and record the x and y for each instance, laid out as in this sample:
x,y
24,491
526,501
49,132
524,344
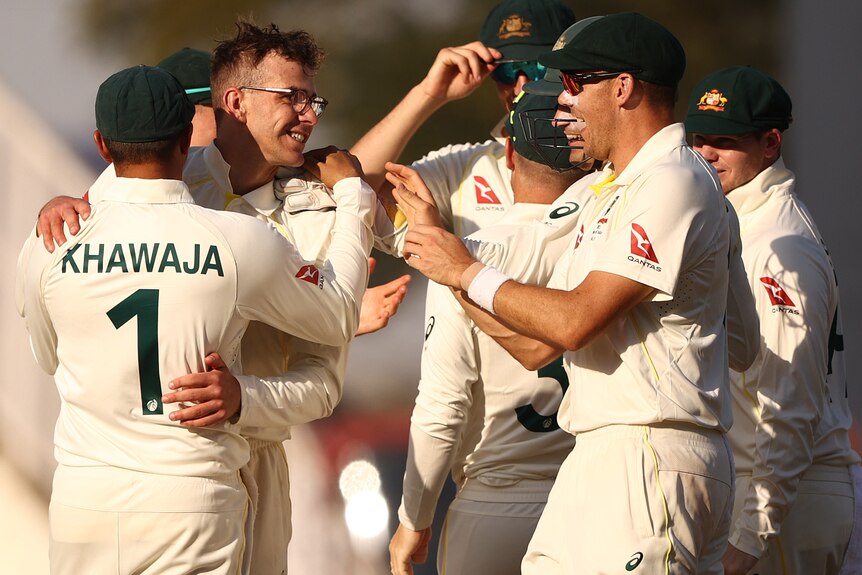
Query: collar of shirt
x,y
218,169
140,191
653,150
776,179
263,199
301,192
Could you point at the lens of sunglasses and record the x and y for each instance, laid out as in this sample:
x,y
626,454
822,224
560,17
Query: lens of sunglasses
x,y
507,72
571,85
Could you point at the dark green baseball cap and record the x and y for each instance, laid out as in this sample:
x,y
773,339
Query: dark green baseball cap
x,y
551,84
529,125
626,42
192,68
738,100
142,104
523,29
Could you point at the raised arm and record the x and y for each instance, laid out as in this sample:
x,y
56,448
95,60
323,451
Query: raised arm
x,y
455,74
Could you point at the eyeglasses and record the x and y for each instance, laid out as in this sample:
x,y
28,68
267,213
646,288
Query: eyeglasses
x,y
574,83
507,71
298,98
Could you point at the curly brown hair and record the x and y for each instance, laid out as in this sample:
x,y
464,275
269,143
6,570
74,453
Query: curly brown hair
x,y
234,61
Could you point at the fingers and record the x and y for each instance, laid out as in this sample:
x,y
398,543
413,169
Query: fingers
x,y
397,286
59,213
200,415
214,361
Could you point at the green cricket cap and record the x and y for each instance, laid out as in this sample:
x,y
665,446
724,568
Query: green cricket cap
x,y
142,104
529,125
738,100
551,84
523,29
192,68
626,42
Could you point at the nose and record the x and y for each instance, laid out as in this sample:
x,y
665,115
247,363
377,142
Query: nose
x,y
708,153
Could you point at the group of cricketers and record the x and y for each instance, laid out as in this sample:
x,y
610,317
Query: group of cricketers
x,y
633,356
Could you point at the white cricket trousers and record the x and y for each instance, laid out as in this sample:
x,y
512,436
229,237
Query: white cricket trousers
x,y
110,521
816,531
266,477
487,528
648,500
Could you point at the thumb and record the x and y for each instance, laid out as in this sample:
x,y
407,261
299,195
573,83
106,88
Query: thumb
x,y
372,263
214,361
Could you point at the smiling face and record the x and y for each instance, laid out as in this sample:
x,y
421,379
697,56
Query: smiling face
x,y
280,132
739,158
592,105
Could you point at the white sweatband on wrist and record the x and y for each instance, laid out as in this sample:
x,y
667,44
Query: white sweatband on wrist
x,y
484,287
477,266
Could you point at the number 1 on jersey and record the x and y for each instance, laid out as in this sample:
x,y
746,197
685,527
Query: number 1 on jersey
x,y
144,304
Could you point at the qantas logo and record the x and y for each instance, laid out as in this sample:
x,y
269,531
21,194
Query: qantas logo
x,y
641,246
310,274
642,252
580,236
484,193
778,296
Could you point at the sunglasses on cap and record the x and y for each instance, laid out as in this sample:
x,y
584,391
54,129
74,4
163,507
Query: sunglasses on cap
x,y
507,71
574,82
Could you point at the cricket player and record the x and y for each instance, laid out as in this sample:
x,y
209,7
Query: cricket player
x,y
794,501
471,183
162,283
637,306
479,413
266,108
192,68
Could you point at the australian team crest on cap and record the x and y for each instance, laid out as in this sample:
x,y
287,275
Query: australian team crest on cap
x,y
713,100
514,26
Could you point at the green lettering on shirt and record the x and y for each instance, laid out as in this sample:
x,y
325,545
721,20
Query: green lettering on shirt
x,y
95,257
213,262
143,256
170,259
117,259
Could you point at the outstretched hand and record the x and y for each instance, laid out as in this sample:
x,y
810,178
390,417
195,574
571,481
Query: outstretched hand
x,y
215,393
420,208
381,302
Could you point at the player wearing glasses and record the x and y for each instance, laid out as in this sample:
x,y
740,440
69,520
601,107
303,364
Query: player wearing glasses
x,y
636,306
266,108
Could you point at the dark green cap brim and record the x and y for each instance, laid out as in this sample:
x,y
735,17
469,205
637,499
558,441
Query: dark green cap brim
x,y
192,68
544,87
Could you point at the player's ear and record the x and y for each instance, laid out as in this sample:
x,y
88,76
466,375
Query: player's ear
x,y
510,154
100,145
772,144
233,103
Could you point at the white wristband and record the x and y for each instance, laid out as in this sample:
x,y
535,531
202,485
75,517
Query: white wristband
x,y
484,287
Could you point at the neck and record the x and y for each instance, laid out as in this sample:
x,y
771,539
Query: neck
x,y
150,171
634,132
249,170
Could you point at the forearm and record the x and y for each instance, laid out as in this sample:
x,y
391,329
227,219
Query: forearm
x,y
530,352
309,391
388,138
429,460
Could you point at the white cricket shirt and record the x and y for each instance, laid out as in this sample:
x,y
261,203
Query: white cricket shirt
x,y
479,413
662,222
150,285
790,408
